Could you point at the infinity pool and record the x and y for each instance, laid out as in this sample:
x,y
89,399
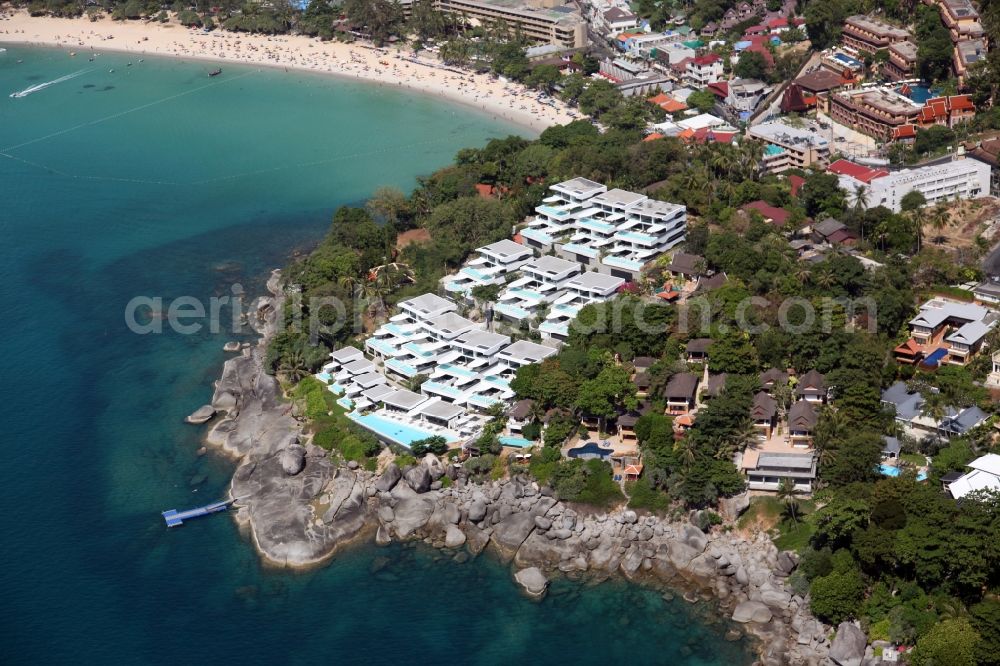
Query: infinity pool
x,y
389,430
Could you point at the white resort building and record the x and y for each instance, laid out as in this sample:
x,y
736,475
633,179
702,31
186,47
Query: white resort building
x,y
616,232
601,238
581,290
543,282
491,265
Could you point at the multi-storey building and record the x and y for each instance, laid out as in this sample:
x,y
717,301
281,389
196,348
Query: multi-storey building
x,y
954,331
545,21
959,179
617,232
789,147
871,35
491,265
876,112
542,283
703,70
580,291
902,62
968,53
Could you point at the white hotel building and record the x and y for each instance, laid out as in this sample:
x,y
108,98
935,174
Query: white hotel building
x,y
543,282
615,232
960,179
491,265
603,238
581,291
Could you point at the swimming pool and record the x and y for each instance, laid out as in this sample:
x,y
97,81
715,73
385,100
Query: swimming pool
x,y
889,470
516,442
388,430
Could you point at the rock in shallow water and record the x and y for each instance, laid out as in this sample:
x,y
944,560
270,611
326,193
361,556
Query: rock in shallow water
x,y
201,415
533,581
454,537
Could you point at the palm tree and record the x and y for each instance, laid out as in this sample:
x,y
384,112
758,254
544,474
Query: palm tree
x,y
686,450
916,225
293,366
826,279
860,199
802,273
787,495
939,220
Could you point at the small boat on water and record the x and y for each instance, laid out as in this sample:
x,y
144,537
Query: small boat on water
x,y
215,72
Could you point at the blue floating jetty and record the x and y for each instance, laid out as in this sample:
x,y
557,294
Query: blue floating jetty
x,y
175,518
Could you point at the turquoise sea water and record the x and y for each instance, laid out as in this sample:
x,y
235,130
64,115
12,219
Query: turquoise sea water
x,y
156,180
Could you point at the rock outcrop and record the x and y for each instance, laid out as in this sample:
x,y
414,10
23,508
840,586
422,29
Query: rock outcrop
x,y
848,648
533,581
300,508
201,415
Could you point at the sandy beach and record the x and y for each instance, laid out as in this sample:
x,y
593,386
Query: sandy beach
x,y
393,66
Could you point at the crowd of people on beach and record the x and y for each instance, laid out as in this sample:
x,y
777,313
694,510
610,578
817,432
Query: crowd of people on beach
x,y
396,66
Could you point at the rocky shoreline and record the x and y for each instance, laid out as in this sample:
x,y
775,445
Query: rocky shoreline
x,y
300,508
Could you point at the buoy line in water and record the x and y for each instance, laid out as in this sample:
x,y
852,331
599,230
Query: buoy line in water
x,y
218,179
113,116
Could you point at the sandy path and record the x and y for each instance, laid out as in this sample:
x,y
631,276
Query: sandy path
x,y
389,67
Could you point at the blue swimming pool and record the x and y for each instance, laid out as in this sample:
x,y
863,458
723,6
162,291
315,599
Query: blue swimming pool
x,y
388,430
889,470
919,94
516,442
588,451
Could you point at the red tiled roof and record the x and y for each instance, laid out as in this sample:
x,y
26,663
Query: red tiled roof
x,y
706,59
856,171
777,215
764,51
673,106
841,236
904,132
653,137
796,182
756,30
962,103
779,22
720,89
658,99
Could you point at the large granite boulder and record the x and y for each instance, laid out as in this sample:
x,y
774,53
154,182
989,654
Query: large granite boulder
x,y
510,533
787,561
280,509
752,611
848,647
201,415
390,477
411,514
419,478
454,537
533,581
477,510
293,459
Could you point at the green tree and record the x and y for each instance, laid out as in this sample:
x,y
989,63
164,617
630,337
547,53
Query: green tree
x,y
837,596
953,642
702,100
912,200
751,65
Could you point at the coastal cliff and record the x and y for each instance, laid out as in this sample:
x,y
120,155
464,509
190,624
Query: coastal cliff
x,y
300,508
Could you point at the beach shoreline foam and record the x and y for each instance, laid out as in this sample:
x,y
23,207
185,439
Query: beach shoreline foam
x,y
389,68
